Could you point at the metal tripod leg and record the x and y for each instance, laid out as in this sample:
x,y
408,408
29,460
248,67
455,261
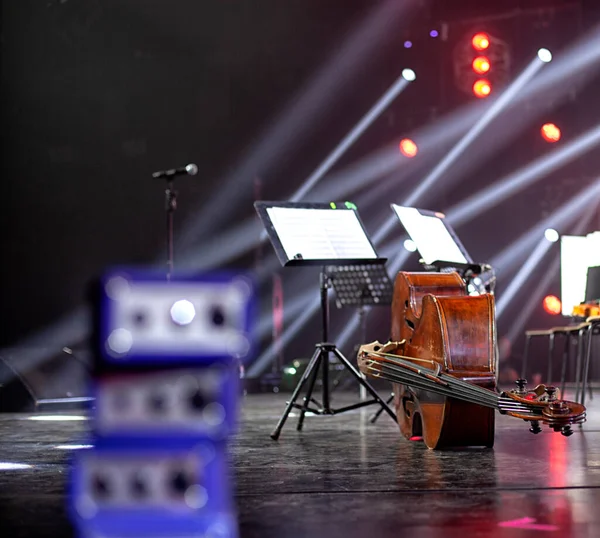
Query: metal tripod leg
x,y
363,382
311,386
314,361
380,410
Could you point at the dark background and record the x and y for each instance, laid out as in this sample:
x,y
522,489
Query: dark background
x,y
97,94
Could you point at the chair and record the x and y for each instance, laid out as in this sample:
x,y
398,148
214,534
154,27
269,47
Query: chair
x,y
593,328
532,334
568,332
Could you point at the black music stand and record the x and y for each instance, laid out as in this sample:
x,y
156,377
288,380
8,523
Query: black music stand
x,y
325,235
361,286
441,250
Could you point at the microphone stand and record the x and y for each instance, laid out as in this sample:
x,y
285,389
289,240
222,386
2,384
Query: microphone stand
x,y
170,207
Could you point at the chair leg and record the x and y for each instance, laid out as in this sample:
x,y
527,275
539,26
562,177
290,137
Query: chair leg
x,y
550,355
578,365
586,366
525,356
563,373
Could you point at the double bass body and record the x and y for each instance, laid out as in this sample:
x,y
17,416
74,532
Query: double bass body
x,y
437,321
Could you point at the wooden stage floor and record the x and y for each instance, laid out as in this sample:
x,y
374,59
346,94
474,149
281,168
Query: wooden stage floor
x,y
343,476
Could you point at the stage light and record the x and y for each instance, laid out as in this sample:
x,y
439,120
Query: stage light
x,y
481,65
409,245
434,33
552,305
408,148
480,41
407,44
550,132
409,74
545,55
482,88
551,235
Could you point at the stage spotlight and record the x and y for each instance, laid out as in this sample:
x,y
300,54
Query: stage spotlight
x,y
480,41
551,235
481,65
545,55
408,74
482,88
410,245
550,132
552,305
434,33
407,44
408,148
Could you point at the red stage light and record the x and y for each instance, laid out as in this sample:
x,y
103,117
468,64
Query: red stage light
x,y
481,65
552,305
550,132
482,88
408,148
480,41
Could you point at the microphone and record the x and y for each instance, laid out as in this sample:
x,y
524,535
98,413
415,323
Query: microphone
x,y
190,169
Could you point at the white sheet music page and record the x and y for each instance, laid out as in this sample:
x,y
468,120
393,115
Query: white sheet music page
x,y
432,238
321,234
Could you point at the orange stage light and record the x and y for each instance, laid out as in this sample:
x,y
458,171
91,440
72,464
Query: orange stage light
x,y
408,148
481,41
550,132
552,305
481,65
482,88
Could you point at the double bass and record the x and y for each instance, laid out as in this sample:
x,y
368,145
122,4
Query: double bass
x,y
442,362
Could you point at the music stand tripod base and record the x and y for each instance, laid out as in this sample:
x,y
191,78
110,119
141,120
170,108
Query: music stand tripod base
x,y
320,358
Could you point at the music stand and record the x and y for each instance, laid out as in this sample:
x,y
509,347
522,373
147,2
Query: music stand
x,y
441,249
325,235
361,286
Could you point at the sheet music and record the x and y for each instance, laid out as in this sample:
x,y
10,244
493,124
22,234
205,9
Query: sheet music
x,y
433,240
321,234
577,253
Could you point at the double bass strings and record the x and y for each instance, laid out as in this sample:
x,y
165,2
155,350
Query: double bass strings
x,y
408,365
455,387
414,381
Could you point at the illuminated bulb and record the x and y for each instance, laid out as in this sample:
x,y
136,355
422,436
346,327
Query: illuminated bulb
x,y
410,245
409,74
408,148
550,132
481,65
545,55
480,41
482,88
551,235
183,312
552,305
